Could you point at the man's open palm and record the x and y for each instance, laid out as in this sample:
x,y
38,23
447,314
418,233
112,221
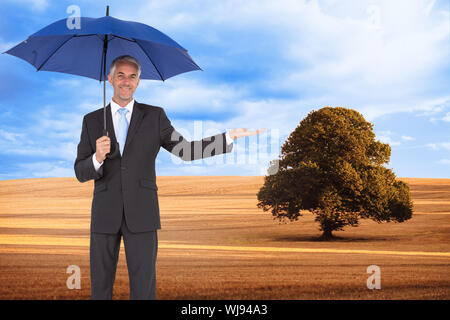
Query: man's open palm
x,y
242,132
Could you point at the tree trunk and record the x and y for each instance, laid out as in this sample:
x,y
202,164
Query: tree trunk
x,y
326,235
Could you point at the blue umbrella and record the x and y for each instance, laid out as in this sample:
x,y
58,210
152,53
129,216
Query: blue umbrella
x,y
89,50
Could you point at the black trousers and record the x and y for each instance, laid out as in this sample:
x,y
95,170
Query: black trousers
x,y
140,251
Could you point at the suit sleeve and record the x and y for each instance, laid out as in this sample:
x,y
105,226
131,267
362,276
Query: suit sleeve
x,y
174,142
84,167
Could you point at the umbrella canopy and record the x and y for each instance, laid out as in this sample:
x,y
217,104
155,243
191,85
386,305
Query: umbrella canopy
x,y
82,51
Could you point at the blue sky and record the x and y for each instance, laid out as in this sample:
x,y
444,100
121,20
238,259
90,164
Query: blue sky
x,y
266,64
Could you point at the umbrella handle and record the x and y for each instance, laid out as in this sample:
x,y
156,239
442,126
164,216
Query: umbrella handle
x,y
114,152
115,148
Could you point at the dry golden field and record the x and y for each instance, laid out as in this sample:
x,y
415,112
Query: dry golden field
x,y
216,244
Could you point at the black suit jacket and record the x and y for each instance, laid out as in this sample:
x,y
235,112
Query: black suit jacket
x,y
128,182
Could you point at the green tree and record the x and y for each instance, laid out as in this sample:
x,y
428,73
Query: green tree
x,y
332,166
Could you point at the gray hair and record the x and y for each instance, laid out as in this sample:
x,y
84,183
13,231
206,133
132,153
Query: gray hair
x,y
124,58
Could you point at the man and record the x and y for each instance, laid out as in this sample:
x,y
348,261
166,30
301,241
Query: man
x,y
122,163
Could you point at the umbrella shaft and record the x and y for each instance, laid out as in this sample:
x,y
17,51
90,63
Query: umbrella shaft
x,y
104,108
105,49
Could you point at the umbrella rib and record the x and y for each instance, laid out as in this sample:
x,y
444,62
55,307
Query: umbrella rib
x,y
128,39
42,64
150,60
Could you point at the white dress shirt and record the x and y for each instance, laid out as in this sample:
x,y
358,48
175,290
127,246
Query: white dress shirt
x,y
116,115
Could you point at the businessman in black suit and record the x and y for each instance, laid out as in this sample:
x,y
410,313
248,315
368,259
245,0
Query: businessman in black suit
x,y
125,201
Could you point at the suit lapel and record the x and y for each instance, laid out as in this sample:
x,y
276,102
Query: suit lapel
x,y
136,118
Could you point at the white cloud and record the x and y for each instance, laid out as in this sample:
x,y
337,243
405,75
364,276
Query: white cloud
x,y
44,169
69,82
5,46
38,5
189,95
393,138
91,91
34,147
39,169
447,117
10,137
381,71
439,146
422,106
52,123
408,138
376,58
50,134
429,7
386,137
433,106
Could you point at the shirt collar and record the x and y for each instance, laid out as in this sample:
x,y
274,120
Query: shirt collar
x,y
115,107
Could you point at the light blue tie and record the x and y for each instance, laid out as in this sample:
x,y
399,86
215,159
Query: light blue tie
x,y
123,129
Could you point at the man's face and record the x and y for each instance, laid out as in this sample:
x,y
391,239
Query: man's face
x,y
124,81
